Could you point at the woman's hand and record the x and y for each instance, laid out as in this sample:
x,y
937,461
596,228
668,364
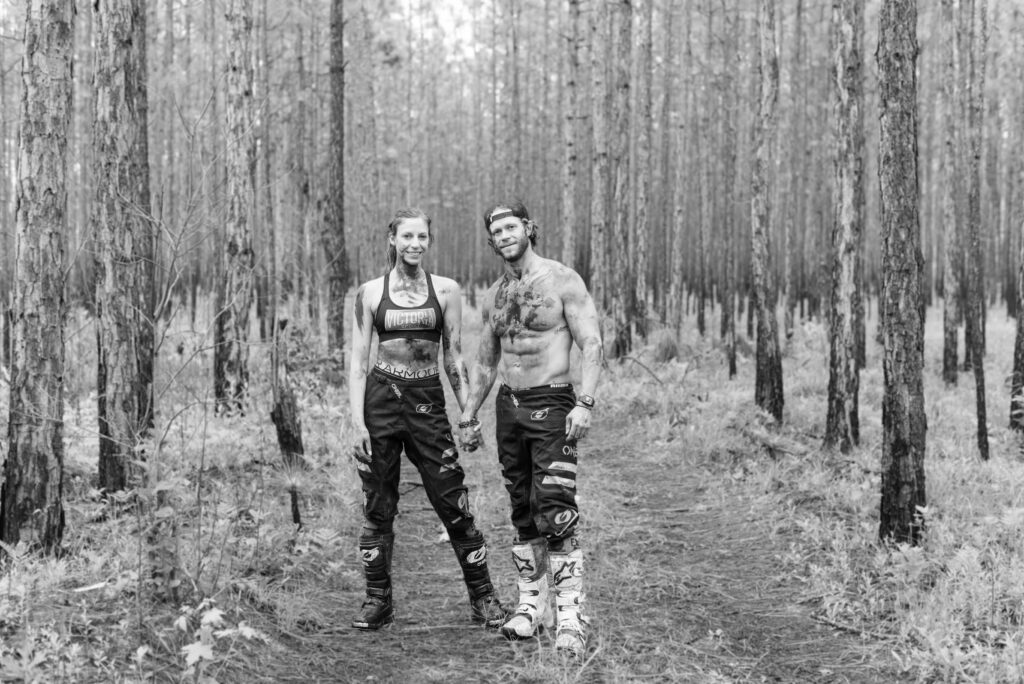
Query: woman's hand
x,y
361,445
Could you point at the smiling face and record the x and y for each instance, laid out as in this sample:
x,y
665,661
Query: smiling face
x,y
411,240
510,237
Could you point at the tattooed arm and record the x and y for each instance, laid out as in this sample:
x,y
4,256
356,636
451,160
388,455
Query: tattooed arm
x,y
362,332
451,340
581,317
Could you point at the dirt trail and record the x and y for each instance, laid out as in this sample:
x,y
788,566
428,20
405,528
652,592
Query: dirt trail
x,y
712,573
682,587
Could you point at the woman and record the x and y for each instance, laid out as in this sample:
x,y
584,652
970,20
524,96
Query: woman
x,y
399,403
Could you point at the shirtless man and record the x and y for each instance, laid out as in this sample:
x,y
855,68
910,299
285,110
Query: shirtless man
x,y
531,318
399,404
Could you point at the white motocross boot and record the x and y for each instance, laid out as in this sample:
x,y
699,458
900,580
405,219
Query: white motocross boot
x,y
533,614
567,582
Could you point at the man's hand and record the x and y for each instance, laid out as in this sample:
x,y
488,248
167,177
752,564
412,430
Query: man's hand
x,y
577,423
361,445
469,429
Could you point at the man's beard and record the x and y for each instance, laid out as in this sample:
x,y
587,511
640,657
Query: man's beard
x,y
520,251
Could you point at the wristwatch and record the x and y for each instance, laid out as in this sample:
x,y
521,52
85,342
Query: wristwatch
x,y
585,400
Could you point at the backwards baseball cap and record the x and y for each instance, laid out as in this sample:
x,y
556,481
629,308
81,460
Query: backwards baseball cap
x,y
504,210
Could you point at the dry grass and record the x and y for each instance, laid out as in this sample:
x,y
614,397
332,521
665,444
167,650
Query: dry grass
x,y
719,548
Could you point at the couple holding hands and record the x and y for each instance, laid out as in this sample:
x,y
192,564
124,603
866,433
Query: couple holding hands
x,y
532,316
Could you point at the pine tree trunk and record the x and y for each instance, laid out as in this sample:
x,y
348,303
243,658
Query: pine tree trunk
x,y
570,173
664,217
975,260
334,222
730,180
601,171
271,286
705,157
793,216
903,416
677,263
31,506
169,188
619,243
261,228
208,274
231,356
842,425
123,237
6,219
515,143
645,123
1017,380
768,391
952,251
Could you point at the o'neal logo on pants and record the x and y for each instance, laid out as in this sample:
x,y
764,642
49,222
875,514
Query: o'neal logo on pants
x,y
565,520
370,555
423,408
477,557
539,415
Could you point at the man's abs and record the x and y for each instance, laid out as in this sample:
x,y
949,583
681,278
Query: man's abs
x,y
536,359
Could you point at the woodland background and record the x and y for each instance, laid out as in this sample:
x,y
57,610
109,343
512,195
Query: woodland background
x,y
450,106
683,157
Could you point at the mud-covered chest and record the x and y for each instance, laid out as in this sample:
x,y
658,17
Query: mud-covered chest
x,y
525,307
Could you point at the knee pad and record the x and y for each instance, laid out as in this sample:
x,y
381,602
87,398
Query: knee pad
x,y
557,523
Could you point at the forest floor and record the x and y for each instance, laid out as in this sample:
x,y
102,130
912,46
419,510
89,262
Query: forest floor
x,y
686,581
718,547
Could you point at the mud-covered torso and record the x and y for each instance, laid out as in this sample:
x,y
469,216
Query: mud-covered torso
x,y
409,322
528,318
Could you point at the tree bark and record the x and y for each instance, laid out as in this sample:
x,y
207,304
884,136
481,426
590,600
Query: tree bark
x,y
571,134
903,416
515,78
231,354
705,159
768,391
123,235
645,126
952,258
270,286
730,180
31,498
975,260
842,424
676,264
661,249
1017,381
334,222
622,341
601,170
794,214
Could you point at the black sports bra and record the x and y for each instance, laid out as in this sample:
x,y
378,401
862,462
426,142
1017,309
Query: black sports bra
x,y
423,322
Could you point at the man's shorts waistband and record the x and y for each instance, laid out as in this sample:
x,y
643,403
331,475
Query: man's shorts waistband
x,y
537,389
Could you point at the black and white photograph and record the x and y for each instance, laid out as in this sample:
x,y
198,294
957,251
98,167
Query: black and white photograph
x,y
512,341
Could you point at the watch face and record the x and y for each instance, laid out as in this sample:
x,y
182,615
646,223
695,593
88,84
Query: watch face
x,y
586,400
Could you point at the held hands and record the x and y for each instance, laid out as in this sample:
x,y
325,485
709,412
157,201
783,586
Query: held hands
x,y
577,423
469,429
